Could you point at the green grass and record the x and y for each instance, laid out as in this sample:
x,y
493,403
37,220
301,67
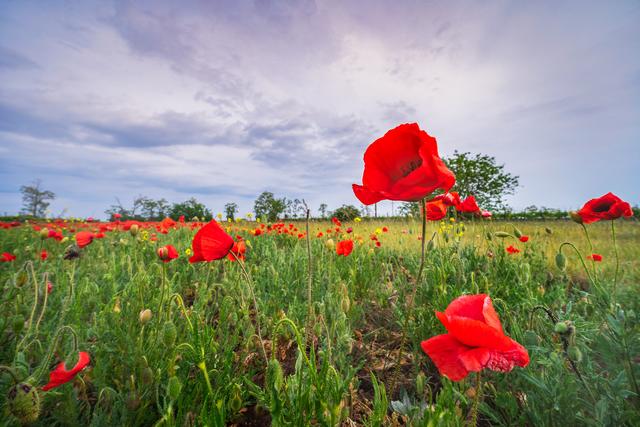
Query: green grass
x,y
334,368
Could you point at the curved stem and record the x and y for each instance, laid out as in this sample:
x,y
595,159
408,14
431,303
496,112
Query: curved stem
x,y
56,339
593,262
584,265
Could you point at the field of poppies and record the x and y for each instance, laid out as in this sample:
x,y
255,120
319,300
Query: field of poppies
x,y
449,319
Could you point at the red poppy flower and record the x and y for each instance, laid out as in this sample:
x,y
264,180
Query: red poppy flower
x,y
44,255
181,219
469,205
524,239
436,210
336,221
167,253
239,249
403,165
344,247
49,287
84,238
608,206
512,250
7,257
210,243
475,340
595,257
485,214
449,199
117,216
319,234
60,375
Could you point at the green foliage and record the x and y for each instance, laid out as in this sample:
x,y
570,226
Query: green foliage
x,y
346,213
230,210
268,207
479,175
190,209
35,200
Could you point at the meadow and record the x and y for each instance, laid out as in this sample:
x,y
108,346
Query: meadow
x,y
296,334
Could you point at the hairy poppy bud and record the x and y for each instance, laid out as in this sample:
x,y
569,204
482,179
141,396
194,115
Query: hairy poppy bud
x,y
561,261
174,387
169,334
134,230
44,233
146,375
145,316
24,402
420,379
531,338
574,354
489,236
501,234
430,245
236,398
274,373
575,217
548,230
330,244
517,232
163,253
561,327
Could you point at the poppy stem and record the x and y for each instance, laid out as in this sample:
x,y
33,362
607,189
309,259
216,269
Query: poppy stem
x,y
476,401
411,301
593,262
310,314
584,265
56,339
615,248
163,285
255,305
9,371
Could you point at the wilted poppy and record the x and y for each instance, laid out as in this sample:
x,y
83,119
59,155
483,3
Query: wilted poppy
x,y
475,340
167,253
344,247
84,238
402,165
61,375
210,243
608,206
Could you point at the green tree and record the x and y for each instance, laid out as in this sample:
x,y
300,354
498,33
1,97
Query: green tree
x,y
409,209
346,213
268,207
190,209
322,210
479,175
230,210
35,200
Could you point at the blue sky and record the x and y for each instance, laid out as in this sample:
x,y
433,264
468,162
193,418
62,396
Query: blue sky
x,y
221,100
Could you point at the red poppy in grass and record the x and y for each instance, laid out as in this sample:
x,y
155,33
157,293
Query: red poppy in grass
x,y
257,232
595,257
385,229
210,243
117,216
7,257
469,205
475,340
49,287
319,234
403,165
436,210
181,219
349,230
344,247
167,253
336,221
44,255
238,251
512,250
485,214
608,206
524,239
84,238
60,375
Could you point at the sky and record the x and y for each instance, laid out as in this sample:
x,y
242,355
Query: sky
x,y
221,100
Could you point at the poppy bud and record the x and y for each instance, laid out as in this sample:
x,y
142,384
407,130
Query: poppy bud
x,y
174,387
420,384
489,236
163,253
501,234
561,327
517,232
574,354
21,279
24,402
236,398
345,304
561,261
330,244
430,245
146,375
169,334
134,230
548,230
132,401
145,316
575,217
275,374
44,233
18,324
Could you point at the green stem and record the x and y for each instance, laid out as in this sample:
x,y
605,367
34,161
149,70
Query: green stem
x,y
584,265
310,315
615,248
410,302
476,401
9,371
593,262
56,339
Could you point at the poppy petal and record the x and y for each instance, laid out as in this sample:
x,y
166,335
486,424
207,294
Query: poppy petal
x,y
445,352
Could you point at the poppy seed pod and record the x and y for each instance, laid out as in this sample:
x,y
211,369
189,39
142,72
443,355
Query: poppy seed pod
x,y
575,217
548,230
169,334
24,402
574,354
145,316
561,261
174,387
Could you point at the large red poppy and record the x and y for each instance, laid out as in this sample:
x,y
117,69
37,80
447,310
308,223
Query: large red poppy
x,y
210,243
61,375
436,210
469,205
344,247
83,238
608,206
449,199
475,340
403,165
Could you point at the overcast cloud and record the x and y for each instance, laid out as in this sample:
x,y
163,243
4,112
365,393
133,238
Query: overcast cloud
x,y
221,100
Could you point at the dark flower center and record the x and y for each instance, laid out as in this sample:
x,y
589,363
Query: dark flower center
x,y
602,206
407,168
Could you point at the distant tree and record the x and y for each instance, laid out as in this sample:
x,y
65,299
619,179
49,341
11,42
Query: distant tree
x,y
409,209
366,210
150,209
322,210
268,207
346,213
35,200
190,209
230,210
482,177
